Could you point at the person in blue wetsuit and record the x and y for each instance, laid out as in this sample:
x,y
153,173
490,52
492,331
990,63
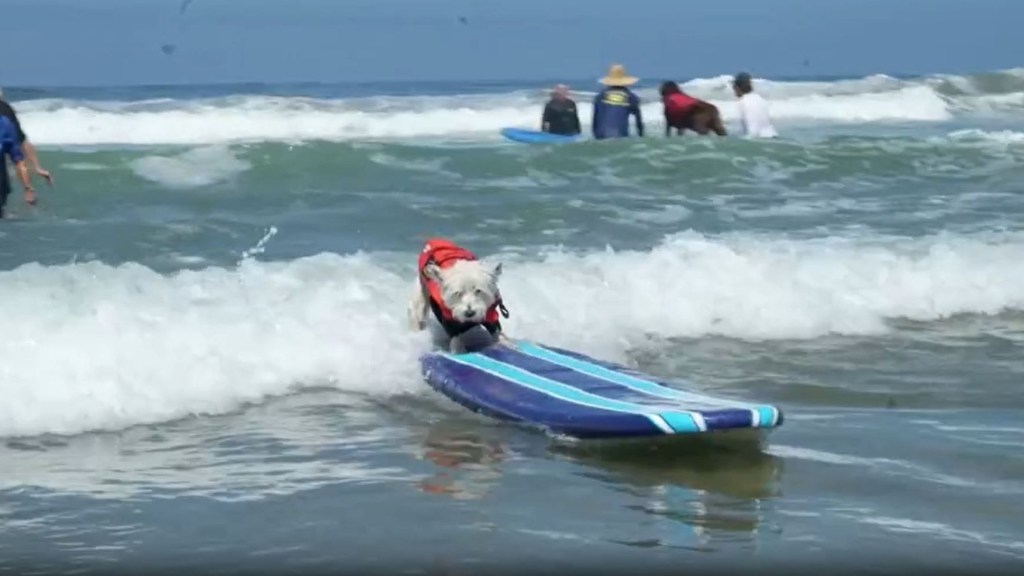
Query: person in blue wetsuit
x,y
10,148
27,147
615,104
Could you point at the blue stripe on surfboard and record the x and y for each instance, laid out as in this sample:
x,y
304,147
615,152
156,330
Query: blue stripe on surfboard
x,y
627,380
678,420
489,393
707,417
683,421
766,414
584,382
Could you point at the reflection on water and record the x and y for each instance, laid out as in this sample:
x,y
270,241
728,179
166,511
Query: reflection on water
x,y
468,460
689,493
696,492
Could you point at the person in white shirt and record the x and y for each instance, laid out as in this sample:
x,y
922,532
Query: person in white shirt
x,y
757,123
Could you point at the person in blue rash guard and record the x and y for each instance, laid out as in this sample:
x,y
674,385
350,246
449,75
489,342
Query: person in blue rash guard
x,y
615,104
10,147
26,146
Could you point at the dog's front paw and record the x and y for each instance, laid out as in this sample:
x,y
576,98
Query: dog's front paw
x,y
417,321
416,326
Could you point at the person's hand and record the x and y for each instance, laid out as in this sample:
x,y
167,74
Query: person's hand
x,y
30,196
45,175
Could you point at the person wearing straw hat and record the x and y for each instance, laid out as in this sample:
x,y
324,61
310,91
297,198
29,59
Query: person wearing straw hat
x,y
615,104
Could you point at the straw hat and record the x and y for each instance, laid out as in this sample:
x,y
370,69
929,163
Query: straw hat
x,y
617,77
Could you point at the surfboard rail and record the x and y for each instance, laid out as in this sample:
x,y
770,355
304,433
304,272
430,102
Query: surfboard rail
x,y
525,136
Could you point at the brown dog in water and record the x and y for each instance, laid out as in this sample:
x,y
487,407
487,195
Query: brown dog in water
x,y
684,112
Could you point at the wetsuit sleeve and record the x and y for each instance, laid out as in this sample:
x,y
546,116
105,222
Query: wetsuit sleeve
x,y
576,120
9,143
636,111
546,117
8,111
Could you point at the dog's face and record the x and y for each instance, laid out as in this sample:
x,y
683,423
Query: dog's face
x,y
469,288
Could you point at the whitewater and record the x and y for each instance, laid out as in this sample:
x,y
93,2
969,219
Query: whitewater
x,y
139,347
206,360
173,324
249,117
167,332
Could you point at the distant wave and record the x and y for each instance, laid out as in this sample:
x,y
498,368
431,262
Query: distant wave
x,y
262,118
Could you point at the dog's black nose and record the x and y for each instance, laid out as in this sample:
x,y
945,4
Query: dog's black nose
x,y
470,312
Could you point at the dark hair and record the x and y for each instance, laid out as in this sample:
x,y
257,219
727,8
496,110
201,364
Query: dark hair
x,y
742,82
669,87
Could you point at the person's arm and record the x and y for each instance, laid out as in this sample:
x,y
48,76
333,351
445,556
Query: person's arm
x,y
639,116
595,118
28,148
545,119
10,142
578,128
26,183
30,154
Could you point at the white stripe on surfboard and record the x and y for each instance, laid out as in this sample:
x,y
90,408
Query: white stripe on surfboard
x,y
660,423
639,410
642,385
664,391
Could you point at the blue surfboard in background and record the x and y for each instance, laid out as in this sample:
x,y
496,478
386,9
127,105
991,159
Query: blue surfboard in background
x,y
535,136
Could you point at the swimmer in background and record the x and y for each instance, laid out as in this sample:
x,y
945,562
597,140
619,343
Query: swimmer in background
x,y
7,111
11,148
560,114
615,104
754,116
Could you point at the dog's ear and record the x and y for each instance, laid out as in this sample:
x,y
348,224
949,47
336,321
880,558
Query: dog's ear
x,y
495,269
433,272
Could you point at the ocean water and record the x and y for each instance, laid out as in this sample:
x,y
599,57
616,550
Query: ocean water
x,y
206,365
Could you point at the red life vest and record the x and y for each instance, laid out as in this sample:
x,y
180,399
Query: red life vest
x,y
445,253
678,105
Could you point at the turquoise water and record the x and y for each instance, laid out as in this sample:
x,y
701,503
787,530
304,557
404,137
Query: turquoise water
x,y
206,362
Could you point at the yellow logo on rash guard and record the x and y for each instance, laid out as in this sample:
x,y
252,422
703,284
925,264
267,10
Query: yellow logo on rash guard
x,y
616,98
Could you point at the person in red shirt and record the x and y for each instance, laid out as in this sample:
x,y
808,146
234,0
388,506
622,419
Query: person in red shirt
x,y
684,112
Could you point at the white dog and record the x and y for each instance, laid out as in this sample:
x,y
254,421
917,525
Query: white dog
x,y
461,290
